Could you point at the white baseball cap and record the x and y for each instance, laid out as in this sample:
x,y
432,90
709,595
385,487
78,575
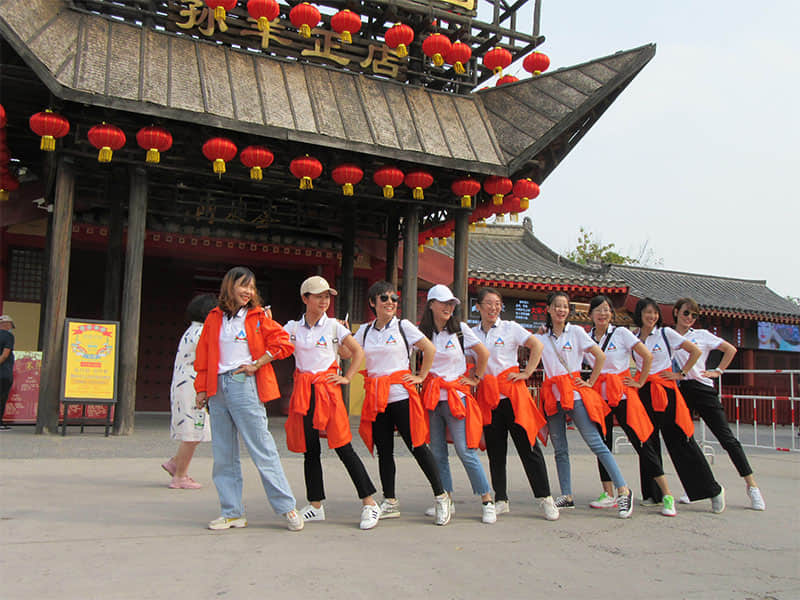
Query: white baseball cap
x,y
442,293
7,319
316,285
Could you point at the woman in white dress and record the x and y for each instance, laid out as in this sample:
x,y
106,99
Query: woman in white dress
x,y
189,425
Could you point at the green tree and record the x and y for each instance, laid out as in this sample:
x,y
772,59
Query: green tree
x,y
589,249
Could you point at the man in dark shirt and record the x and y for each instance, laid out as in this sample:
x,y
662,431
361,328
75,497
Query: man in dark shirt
x,y
6,364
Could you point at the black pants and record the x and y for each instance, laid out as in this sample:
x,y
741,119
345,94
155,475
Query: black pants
x,y
687,457
496,434
396,415
704,401
5,390
647,455
312,465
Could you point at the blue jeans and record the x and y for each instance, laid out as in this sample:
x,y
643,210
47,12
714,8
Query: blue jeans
x,y
236,410
441,417
590,434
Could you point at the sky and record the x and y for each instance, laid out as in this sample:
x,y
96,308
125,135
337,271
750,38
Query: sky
x,y
698,156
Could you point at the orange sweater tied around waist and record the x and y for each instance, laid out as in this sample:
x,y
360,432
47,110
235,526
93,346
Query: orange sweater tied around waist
x,y
526,413
330,414
596,408
376,398
658,395
469,409
635,413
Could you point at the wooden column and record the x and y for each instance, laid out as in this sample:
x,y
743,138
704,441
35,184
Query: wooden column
x,y
111,294
393,226
749,364
460,262
131,303
410,263
344,304
56,301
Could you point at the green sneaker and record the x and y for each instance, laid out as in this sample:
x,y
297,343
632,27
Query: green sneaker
x,y
604,501
668,508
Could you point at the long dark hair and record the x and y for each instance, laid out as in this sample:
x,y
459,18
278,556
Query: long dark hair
x,y
551,297
427,325
640,306
236,275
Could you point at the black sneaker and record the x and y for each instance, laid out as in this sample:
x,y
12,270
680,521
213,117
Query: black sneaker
x,y
564,502
5,428
625,505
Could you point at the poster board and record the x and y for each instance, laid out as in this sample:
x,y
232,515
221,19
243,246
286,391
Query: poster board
x,y
90,367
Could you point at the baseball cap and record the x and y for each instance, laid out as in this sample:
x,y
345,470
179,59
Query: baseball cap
x,y
316,285
442,293
7,319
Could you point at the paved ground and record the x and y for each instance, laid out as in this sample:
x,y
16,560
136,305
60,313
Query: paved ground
x,y
91,517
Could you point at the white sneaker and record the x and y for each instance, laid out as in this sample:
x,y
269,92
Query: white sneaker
x,y
294,520
431,511
370,513
443,510
604,501
549,507
685,499
502,507
309,513
718,502
489,513
390,510
756,499
227,523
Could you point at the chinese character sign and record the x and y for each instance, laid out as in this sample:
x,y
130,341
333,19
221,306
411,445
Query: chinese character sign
x,y
90,360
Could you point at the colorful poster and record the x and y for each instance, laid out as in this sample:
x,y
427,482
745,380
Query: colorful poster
x,y
90,360
778,336
24,397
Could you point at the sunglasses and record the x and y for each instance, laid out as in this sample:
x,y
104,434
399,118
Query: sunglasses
x,y
693,315
387,297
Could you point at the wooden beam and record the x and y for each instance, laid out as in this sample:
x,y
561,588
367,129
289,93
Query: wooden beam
x,y
460,259
131,303
113,280
56,302
410,263
344,306
393,224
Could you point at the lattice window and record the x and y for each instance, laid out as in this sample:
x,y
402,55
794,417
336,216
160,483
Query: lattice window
x,y
25,274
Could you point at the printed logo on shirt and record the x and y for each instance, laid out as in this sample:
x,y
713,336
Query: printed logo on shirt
x,y
240,337
450,345
390,341
499,342
611,346
567,346
321,343
657,348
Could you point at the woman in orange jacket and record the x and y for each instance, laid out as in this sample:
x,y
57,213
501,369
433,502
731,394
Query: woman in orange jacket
x,y
234,379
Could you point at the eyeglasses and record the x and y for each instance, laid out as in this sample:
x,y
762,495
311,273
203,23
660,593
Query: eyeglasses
x,y
693,315
491,304
387,297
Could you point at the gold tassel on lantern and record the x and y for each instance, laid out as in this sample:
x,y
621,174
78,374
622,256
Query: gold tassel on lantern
x,y
48,143
443,241
429,242
482,223
105,154
263,24
4,195
498,71
420,248
418,194
219,166
305,183
219,13
466,201
514,217
459,68
153,156
500,218
401,50
524,203
388,191
305,30
346,38
438,59
472,227
347,189
256,173
497,199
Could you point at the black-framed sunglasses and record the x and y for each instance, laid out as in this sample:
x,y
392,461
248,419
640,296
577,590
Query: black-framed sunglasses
x,y
687,313
387,297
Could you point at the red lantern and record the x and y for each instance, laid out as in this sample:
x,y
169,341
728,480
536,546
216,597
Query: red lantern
x,y
346,23
418,181
347,175
525,189
106,138
458,56
466,188
306,169
256,158
399,37
506,79
50,126
220,6
497,187
304,17
536,63
388,178
219,150
3,118
263,11
497,59
8,183
435,47
155,140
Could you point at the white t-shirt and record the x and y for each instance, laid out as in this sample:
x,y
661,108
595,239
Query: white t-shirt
x,y
572,345
385,351
655,343
314,349
502,341
618,353
233,348
706,341
449,362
